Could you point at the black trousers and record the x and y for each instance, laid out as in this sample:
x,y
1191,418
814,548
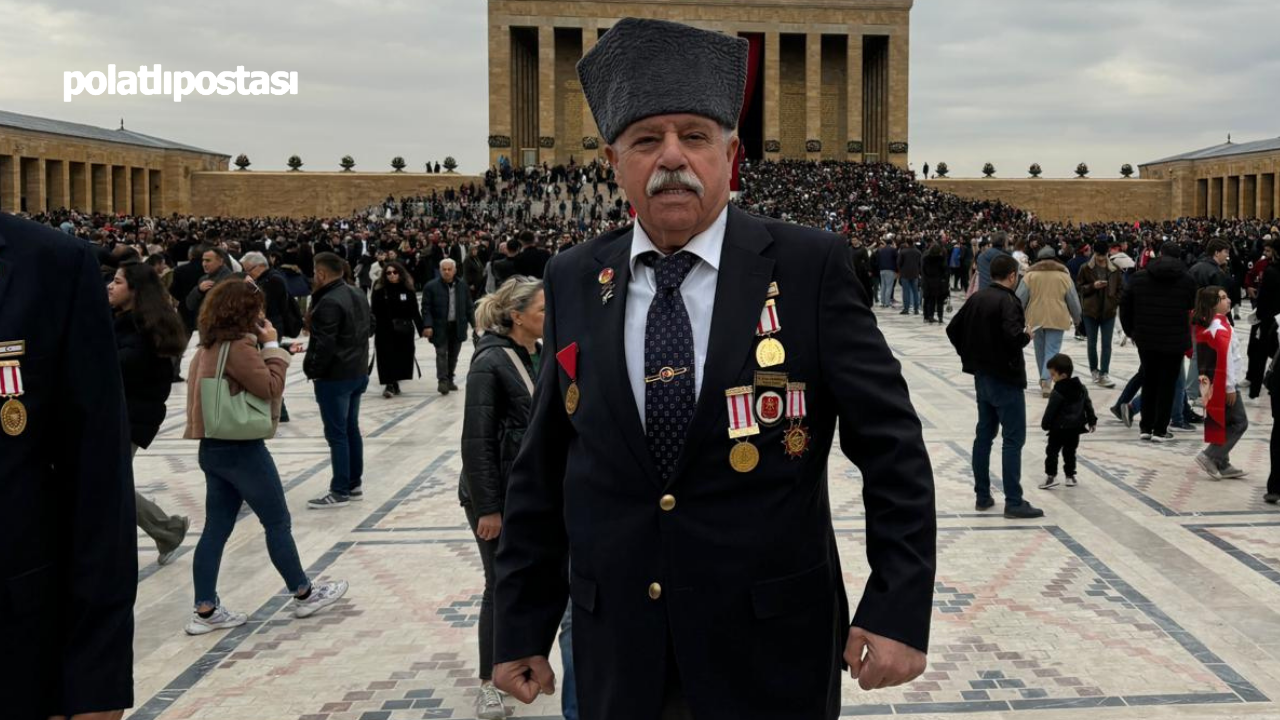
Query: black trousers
x,y
488,553
933,305
1065,442
1159,376
447,349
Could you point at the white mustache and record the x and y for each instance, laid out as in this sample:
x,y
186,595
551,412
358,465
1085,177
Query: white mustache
x,y
673,179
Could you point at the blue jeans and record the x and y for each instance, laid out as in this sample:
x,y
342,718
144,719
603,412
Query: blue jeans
x,y
1002,406
1048,343
339,402
911,295
569,686
887,279
1092,328
236,471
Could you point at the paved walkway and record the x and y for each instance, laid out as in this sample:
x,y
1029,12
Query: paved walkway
x,y
1145,587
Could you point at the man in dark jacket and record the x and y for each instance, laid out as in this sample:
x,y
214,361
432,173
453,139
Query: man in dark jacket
x,y
215,263
338,363
532,260
69,565
1155,313
989,332
1211,268
862,267
909,262
887,265
185,279
446,314
987,256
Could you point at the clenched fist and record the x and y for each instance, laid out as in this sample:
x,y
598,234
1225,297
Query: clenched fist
x,y
525,679
878,662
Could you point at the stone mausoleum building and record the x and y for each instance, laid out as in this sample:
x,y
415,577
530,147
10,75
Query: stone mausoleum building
x,y
1231,180
827,79
49,164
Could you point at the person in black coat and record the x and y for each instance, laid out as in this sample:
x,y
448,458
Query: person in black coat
x,y
933,275
397,322
447,312
185,279
532,260
66,617
498,404
149,335
1155,312
693,560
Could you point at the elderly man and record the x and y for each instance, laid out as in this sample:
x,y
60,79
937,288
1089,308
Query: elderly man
x,y
447,312
697,363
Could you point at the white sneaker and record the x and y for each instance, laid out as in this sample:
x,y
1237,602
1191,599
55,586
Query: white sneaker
x,y
221,619
1209,467
1145,436
1072,481
489,705
1105,381
321,597
1095,375
1231,472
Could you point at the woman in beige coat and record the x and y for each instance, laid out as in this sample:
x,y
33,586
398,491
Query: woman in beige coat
x,y
1052,307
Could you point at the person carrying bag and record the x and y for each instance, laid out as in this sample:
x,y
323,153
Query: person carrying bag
x,y
242,416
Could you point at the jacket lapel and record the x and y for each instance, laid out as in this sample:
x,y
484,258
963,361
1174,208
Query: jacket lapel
x,y
610,345
741,289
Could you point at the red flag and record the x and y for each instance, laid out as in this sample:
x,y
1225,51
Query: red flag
x,y
568,359
1212,347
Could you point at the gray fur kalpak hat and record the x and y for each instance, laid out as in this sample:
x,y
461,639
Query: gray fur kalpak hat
x,y
642,68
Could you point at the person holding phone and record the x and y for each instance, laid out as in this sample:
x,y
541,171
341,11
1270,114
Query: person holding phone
x,y
1100,286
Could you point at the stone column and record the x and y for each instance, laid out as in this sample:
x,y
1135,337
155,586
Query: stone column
x,y
102,188
140,191
590,35
899,82
546,92
854,108
772,93
500,100
125,203
81,186
813,94
1231,197
10,183
35,185
61,185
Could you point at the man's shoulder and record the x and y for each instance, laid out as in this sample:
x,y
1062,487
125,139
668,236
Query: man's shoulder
x,y
29,242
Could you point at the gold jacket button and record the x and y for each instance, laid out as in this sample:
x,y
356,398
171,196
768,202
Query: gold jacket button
x,y
668,502
655,591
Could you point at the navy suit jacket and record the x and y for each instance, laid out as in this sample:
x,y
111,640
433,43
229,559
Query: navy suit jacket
x,y
752,600
68,544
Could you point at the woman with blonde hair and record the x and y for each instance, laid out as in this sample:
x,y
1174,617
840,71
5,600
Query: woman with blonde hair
x,y
499,400
242,471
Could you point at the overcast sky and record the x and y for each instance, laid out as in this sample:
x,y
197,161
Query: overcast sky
x,y
1006,81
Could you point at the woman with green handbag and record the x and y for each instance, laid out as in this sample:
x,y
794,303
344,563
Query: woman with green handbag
x,y
234,392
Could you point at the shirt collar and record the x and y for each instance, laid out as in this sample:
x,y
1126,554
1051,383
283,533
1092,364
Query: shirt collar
x,y
706,245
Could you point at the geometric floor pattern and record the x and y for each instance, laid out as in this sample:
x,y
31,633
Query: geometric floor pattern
x,y
1147,591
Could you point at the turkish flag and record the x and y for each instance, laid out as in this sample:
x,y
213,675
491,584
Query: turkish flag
x,y
1213,343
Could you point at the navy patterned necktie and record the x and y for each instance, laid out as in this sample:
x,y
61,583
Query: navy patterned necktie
x,y
668,362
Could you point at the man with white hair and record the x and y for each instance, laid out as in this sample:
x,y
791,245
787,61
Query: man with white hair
x,y
701,564
446,314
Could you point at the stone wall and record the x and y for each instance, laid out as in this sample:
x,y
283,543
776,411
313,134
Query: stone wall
x,y
1074,200
307,194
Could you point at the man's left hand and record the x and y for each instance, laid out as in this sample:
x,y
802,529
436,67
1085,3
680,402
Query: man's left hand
x,y
886,663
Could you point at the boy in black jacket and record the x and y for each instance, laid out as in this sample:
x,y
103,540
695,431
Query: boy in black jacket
x,y
1069,415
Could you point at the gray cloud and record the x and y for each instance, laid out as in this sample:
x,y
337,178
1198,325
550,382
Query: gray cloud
x,y
1006,81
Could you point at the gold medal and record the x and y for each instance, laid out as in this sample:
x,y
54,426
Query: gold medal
x,y
796,441
13,417
571,398
744,457
770,353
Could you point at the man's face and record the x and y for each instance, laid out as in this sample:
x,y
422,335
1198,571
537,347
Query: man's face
x,y
211,262
447,271
675,170
1222,257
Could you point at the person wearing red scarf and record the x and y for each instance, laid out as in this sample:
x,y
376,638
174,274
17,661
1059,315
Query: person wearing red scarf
x,y
1221,372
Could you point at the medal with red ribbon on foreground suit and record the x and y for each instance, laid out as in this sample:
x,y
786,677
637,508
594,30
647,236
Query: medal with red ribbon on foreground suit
x,y
742,424
568,359
13,414
796,438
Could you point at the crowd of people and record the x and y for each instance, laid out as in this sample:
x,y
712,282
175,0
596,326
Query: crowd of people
x,y
466,264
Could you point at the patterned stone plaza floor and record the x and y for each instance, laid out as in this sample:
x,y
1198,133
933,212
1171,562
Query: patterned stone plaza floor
x,y
1147,591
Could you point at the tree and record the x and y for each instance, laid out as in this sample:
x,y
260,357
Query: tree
x,y
450,164
397,163
294,163
242,162
942,170
989,170
1035,170
347,163
1082,170
1126,170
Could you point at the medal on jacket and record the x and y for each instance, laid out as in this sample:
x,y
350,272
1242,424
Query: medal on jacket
x,y
606,285
769,352
744,457
13,414
796,439
568,359
769,401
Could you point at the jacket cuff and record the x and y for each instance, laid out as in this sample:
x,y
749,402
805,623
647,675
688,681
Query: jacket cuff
x,y
277,353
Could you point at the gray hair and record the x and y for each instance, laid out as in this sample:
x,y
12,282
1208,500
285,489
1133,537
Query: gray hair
x,y
449,261
254,258
493,314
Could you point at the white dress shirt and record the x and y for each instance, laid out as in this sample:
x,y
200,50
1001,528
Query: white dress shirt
x,y
698,292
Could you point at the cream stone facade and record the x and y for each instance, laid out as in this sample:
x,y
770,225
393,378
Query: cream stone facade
x,y
1232,180
50,164
308,194
832,81
1070,200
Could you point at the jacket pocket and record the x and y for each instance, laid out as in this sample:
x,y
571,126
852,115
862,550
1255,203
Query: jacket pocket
x,y
781,596
583,592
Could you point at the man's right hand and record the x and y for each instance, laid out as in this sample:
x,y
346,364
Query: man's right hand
x,y
427,333
206,285
525,679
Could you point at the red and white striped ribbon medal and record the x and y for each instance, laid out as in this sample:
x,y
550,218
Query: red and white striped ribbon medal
x,y
744,457
796,439
13,414
769,352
